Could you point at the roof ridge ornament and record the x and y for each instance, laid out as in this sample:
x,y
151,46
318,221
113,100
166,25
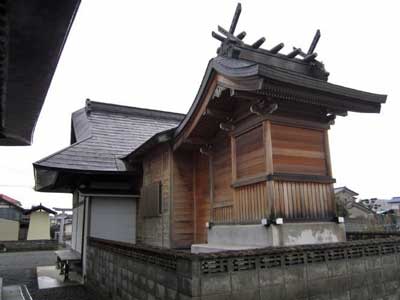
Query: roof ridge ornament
x,y
233,46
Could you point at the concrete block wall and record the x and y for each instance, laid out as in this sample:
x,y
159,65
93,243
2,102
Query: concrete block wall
x,y
373,278
346,271
119,277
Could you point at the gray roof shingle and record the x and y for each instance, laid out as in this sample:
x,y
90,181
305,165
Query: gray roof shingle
x,y
103,133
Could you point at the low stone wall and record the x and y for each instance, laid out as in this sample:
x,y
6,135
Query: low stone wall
x,y
34,245
366,235
122,271
367,269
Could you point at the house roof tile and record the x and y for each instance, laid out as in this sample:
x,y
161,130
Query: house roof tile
x,y
103,133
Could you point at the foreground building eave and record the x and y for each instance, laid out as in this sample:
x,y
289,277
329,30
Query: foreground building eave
x,y
36,32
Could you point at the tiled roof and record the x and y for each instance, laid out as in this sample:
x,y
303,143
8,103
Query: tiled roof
x,y
103,133
10,200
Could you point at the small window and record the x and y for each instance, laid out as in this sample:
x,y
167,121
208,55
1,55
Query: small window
x,y
151,200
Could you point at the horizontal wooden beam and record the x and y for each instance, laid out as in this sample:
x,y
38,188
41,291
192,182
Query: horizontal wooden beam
x,y
283,177
216,114
196,141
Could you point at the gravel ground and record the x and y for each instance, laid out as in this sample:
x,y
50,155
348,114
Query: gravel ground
x,y
20,268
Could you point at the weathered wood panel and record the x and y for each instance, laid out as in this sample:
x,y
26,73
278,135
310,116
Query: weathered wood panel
x,y
201,197
222,176
155,230
299,200
250,203
182,206
223,213
250,153
298,150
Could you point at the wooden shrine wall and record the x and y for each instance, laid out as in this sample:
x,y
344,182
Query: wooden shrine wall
x,y
303,200
182,229
201,197
298,150
222,177
156,168
239,188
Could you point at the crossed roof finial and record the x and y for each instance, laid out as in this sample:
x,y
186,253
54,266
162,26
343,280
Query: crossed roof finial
x,y
230,37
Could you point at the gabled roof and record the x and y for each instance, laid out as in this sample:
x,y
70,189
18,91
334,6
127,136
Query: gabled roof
x,y
247,71
11,201
345,189
32,34
39,207
103,133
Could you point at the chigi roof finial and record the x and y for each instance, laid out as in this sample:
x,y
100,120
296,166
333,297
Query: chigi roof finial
x,y
232,46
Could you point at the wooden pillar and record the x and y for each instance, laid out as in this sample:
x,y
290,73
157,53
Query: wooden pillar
x,y
211,184
329,171
269,168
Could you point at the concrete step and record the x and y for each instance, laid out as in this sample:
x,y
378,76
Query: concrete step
x,y
15,292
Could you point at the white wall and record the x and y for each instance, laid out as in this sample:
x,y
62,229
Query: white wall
x,y
77,225
113,218
39,226
9,230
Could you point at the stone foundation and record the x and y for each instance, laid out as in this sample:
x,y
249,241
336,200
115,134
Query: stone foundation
x,y
367,269
237,237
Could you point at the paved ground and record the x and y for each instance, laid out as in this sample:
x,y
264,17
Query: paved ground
x,y
20,268
64,293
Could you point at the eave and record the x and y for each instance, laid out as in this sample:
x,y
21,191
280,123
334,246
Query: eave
x,y
57,180
245,79
36,34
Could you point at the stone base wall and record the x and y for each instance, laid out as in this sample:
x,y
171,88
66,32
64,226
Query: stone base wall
x,y
288,234
367,269
120,271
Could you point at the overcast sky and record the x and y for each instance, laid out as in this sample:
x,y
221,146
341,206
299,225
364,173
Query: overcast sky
x,y
153,54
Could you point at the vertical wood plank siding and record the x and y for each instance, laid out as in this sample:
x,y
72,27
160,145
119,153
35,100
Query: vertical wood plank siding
x,y
201,197
299,200
223,214
250,203
182,213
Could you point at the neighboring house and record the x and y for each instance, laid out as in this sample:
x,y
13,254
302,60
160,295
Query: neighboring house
x,y
346,200
248,166
39,223
357,210
33,34
377,205
10,217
